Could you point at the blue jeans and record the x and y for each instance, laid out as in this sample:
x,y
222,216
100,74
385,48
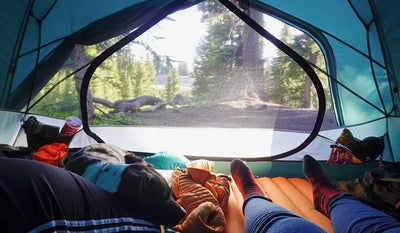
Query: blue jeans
x,y
350,215
347,215
261,215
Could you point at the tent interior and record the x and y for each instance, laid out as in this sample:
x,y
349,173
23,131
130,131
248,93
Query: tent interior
x,y
242,71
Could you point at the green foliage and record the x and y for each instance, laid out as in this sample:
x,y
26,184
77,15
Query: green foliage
x,y
173,82
285,78
62,101
115,119
122,76
119,77
143,78
211,10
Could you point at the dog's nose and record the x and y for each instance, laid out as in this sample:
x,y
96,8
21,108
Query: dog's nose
x,y
177,214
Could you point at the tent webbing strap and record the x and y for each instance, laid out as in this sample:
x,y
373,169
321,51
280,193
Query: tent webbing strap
x,y
162,13
303,63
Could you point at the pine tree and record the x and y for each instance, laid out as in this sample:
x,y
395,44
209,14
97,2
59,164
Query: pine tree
x,y
220,71
173,82
278,71
287,83
143,78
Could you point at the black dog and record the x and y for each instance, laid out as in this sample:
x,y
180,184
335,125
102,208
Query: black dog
x,y
130,178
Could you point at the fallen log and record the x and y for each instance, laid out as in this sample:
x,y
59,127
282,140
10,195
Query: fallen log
x,y
133,105
123,106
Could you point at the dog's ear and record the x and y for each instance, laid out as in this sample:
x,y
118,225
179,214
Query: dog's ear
x,y
158,202
131,158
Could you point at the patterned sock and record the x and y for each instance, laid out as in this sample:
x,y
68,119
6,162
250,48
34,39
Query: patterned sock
x,y
244,179
323,190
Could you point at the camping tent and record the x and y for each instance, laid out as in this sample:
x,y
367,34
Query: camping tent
x,y
360,41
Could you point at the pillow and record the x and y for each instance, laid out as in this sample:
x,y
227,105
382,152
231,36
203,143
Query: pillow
x,y
165,160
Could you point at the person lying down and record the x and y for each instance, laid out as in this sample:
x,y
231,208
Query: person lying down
x,y
38,197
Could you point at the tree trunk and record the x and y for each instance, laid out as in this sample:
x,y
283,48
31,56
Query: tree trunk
x,y
307,93
253,64
78,57
132,105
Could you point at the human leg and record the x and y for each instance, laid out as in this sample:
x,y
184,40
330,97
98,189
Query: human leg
x,y
260,214
245,179
346,212
323,190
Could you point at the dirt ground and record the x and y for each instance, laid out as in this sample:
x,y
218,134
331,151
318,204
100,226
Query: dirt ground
x,y
235,114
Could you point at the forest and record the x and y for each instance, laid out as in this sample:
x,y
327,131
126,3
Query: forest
x,y
229,65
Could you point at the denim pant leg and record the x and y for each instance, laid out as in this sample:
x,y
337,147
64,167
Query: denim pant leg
x,y
261,215
350,215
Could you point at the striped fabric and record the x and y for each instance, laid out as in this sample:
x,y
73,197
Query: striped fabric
x,y
122,224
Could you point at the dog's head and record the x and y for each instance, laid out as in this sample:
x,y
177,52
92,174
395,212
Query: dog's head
x,y
148,194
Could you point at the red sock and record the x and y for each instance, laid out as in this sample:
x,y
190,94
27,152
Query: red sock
x,y
244,179
323,190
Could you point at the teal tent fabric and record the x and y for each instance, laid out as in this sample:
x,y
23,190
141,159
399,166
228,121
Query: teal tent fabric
x,y
361,42
38,36
360,39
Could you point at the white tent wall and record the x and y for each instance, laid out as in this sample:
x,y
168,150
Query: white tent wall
x,y
208,142
21,139
10,124
216,142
